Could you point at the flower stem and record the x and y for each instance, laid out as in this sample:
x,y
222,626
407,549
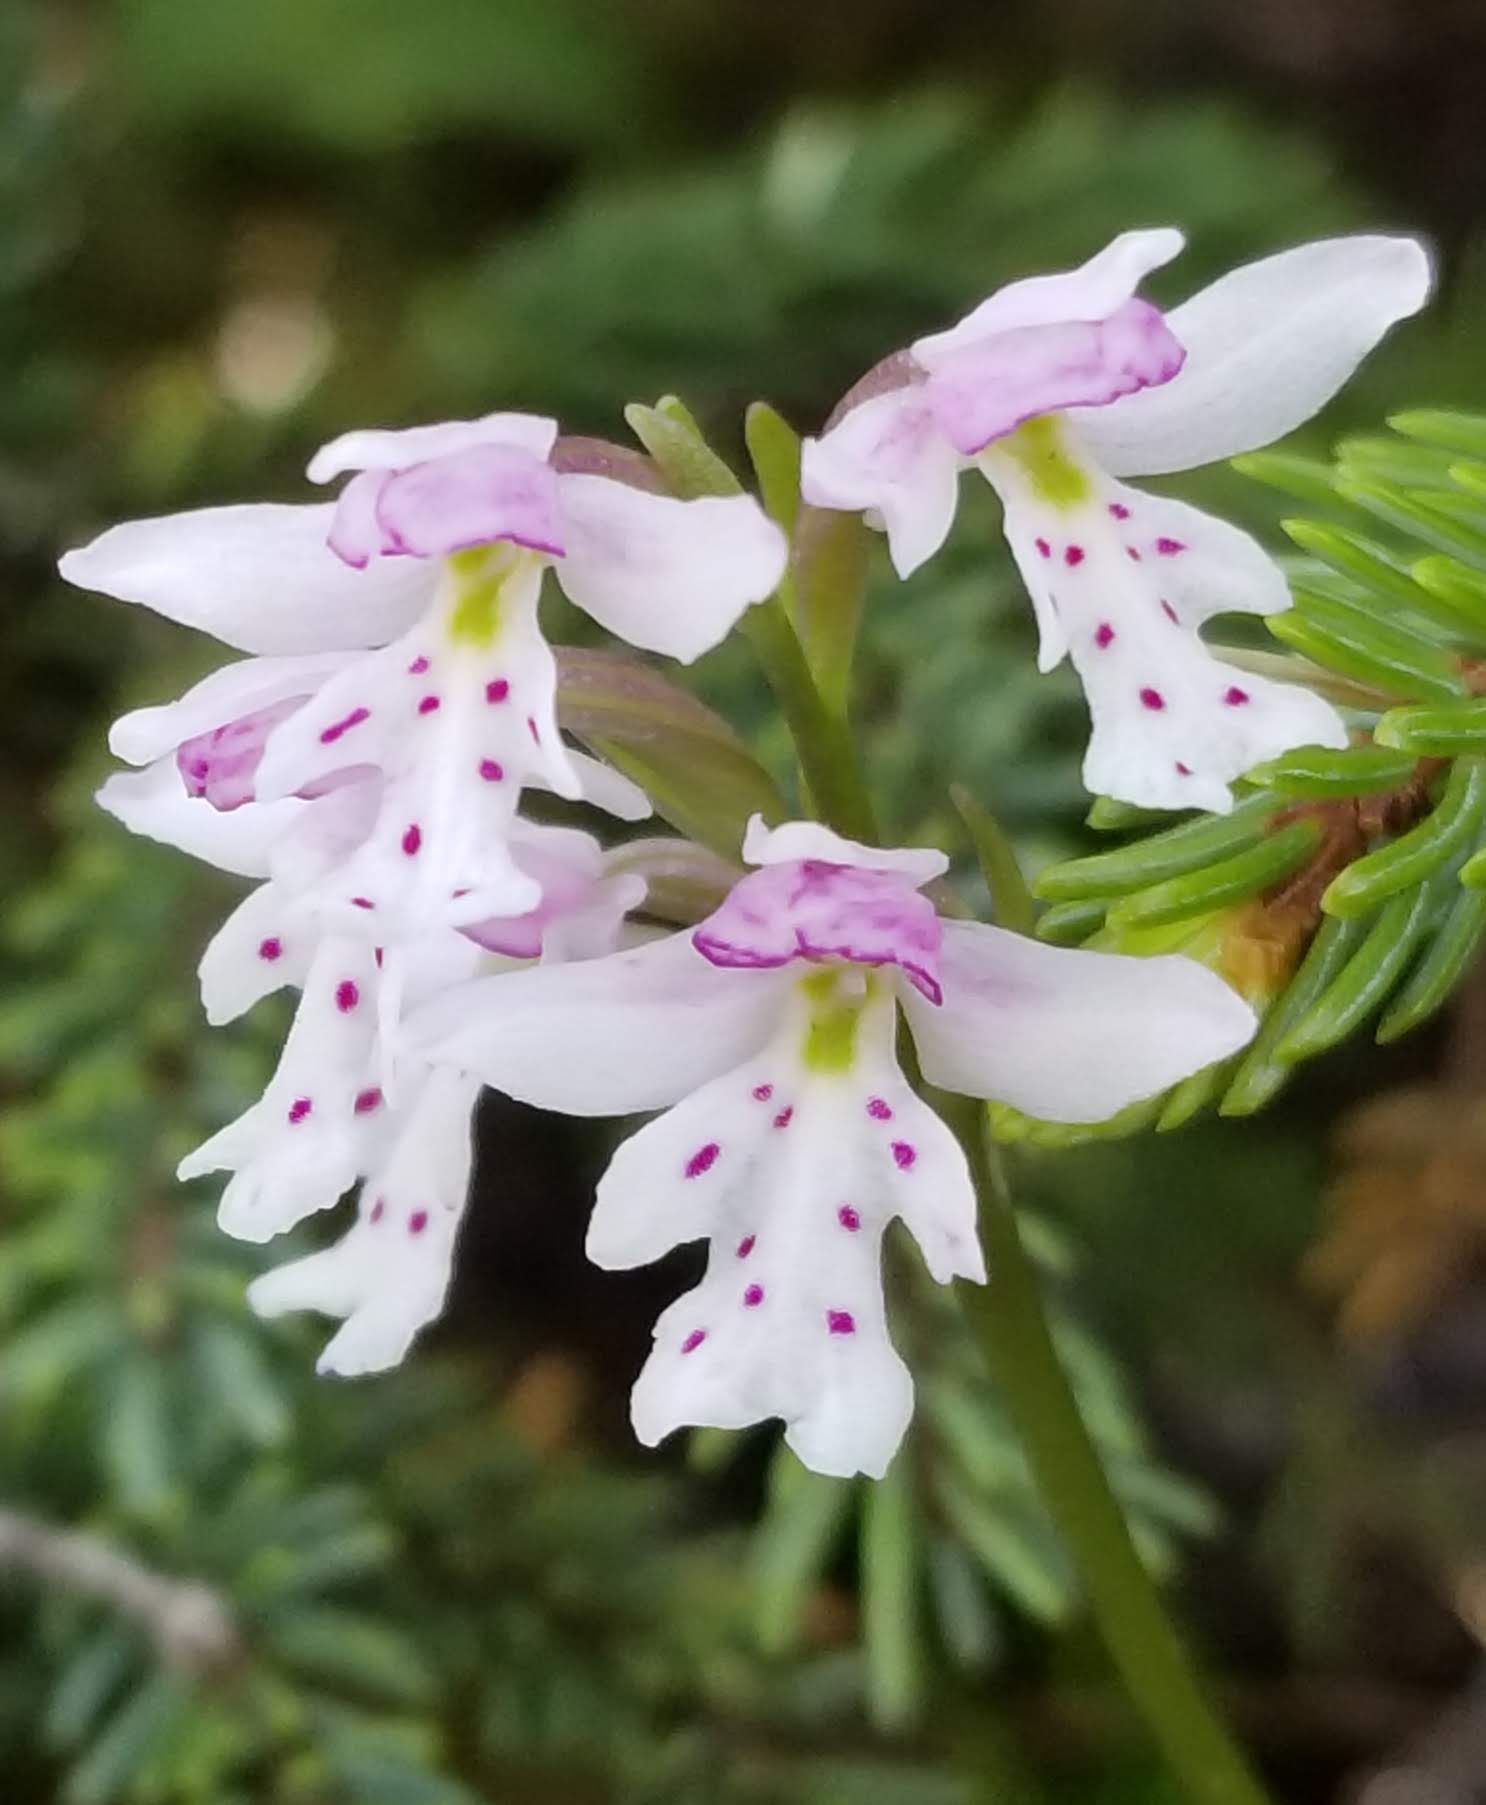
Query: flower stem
x,y
822,737
1142,1641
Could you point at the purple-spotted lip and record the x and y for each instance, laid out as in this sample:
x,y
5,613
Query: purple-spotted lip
x,y
822,913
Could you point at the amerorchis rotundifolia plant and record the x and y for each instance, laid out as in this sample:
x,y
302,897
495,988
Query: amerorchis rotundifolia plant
x,y
818,1018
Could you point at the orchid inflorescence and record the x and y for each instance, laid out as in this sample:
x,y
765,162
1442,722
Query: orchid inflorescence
x,y
783,990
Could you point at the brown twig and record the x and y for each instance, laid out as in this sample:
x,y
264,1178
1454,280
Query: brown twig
x,y
191,1624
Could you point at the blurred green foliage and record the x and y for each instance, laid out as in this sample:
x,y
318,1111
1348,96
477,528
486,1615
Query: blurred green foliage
x,y
231,231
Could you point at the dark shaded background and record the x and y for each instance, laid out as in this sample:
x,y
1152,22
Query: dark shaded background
x,y
231,231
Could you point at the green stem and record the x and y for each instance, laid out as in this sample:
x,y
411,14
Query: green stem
x,y
1143,1643
822,738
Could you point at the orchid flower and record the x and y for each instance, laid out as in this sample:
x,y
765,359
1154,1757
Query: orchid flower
x,y
348,1102
326,1117
791,1137
395,633
1058,386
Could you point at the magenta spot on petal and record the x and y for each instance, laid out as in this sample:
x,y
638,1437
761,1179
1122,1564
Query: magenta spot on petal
x,y
347,996
379,1209
1169,612
879,1109
849,1219
785,1116
332,733
299,1109
531,728
1119,510
417,1222
362,902
418,667
497,690
270,949
428,705
745,1246
1183,770
1152,699
412,839
1168,548
1235,697
762,1092
1132,554
753,1296
491,771
841,1322
693,1341
1044,550
1073,555
367,1101
377,955
1104,636
703,1160
904,1155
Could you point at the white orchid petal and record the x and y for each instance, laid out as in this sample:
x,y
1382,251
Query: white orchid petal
x,y
667,575
1094,291
260,577
600,928
1267,346
372,449
887,457
605,788
580,912
1069,1036
153,802
609,1036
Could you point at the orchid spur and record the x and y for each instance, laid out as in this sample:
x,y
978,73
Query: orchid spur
x,y
791,1137
1056,387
